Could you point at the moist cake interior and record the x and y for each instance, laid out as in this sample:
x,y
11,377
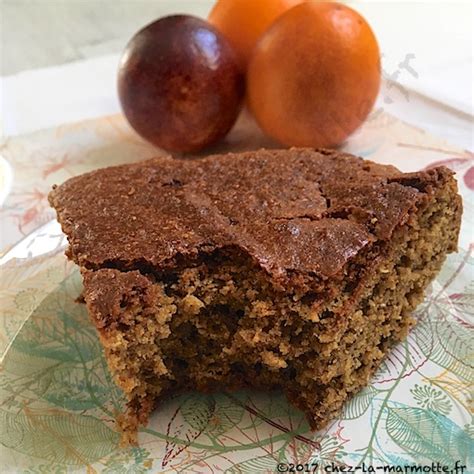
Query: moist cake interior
x,y
217,322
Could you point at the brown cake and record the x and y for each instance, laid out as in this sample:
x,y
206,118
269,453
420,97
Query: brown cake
x,y
294,270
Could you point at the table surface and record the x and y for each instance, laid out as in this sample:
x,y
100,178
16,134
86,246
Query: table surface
x,y
42,33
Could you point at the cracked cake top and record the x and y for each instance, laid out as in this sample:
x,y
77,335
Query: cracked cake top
x,y
293,212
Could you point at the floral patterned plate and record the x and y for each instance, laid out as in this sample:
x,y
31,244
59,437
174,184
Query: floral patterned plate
x,y
57,400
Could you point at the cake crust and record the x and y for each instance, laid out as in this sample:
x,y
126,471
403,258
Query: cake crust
x,y
294,212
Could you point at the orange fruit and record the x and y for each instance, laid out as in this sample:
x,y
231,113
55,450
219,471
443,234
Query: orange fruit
x,y
243,21
314,75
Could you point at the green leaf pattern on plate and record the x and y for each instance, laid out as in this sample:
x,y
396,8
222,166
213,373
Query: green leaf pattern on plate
x,y
58,402
429,436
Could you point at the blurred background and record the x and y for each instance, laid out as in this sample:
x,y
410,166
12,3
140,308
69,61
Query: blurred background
x,y
59,59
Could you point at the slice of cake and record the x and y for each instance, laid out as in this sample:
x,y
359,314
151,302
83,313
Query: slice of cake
x,y
294,270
